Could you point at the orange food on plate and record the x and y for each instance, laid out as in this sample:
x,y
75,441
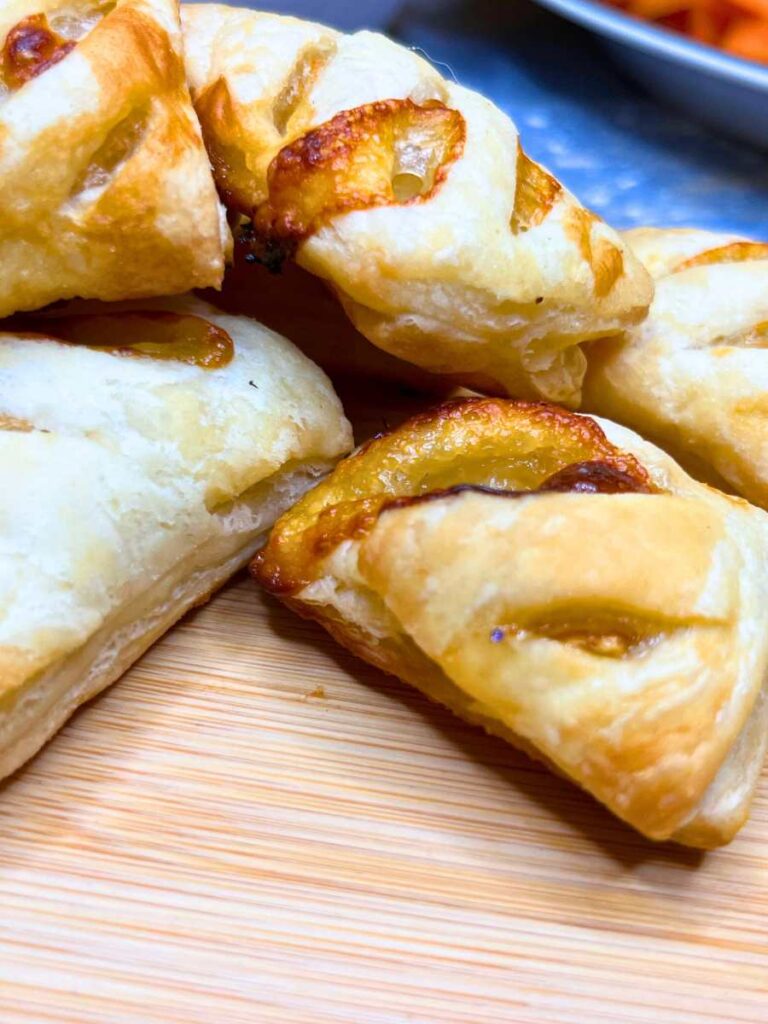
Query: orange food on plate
x,y
739,27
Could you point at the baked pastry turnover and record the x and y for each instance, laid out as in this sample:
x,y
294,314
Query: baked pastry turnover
x,y
144,454
412,197
564,584
105,187
694,375
297,305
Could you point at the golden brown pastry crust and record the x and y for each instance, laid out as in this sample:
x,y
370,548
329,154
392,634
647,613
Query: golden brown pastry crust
x,y
694,376
447,246
299,306
139,480
106,187
562,583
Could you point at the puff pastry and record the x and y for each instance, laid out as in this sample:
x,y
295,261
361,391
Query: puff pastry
x,y
105,186
297,305
693,376
145,453
561,582
412,197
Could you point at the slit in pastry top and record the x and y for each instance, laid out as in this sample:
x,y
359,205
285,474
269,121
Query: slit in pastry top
x,y
412,197
694,375
392,152
560,582
492,446
106,184
156,334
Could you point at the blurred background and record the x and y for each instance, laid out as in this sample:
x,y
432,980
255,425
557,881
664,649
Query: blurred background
x,y
632,157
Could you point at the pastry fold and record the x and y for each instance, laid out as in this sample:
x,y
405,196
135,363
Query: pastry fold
x,y
106,187
693,377
146,450
560,582
412,197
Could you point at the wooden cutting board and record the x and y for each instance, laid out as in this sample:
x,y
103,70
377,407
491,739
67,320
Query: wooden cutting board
x,y
252,826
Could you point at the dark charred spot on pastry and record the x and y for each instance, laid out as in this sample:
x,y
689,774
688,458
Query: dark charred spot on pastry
x,y
31,47
597,478
270,253
155,334
243,236
536,192
539,299
734,252
392,152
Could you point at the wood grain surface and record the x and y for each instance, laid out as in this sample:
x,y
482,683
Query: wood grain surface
x,y
252,826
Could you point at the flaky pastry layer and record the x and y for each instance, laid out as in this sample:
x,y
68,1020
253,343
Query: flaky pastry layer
x,y
33,712
106,187
412,197
147,447
562,583
694,375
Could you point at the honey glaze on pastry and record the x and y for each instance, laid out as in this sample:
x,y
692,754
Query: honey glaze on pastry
x,y
106,187
694,375
381,154
411,196
562,583
505,447
158,334
147,450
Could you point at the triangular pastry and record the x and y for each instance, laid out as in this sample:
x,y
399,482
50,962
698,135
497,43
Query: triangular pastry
x,y
411,196
694,376
105,187
564,584
146,451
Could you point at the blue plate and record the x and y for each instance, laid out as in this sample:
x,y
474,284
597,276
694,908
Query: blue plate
x,y
631,159
723,91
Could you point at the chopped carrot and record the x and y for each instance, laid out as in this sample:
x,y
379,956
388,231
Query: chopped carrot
x,y
656,8
748,38
758,8
705,24
740,27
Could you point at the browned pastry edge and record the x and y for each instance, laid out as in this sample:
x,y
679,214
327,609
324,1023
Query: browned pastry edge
x,y
393,469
